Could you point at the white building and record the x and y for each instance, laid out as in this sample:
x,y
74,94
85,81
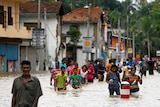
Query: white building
x,y
88,22
50,20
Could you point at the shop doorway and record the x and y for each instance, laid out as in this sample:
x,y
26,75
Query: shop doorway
x,y
2,61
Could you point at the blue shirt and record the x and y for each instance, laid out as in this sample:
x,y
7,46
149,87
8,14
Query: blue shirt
x,y
114,78
62,65
131,64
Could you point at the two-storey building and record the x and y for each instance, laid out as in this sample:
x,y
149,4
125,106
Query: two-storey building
x,y
88,21
50,20
11,35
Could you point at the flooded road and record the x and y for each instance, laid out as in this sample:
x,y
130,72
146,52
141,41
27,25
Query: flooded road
x,y
91,95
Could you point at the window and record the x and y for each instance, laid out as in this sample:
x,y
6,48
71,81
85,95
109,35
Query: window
x,y
2,15
10,19
29,26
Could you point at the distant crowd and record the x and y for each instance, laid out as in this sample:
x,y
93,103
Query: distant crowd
x,y
63,74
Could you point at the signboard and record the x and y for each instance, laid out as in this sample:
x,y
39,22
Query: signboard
x,y
158,53
130,51
121,46
120,49
38,38
87,44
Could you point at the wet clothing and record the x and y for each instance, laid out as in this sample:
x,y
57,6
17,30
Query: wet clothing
x,y
83,75
113,76
143,67
117,90
78,71
90,75
62,65
61,80
25,93
150,67
55,72
108,67
130,64
100,67
69,70
83,81
76,80
114,87
134,83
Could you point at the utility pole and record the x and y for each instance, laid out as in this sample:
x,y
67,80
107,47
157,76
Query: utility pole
x,y
133,41
39,7
38,26
148,44
46,45
119,31
88,29
127,36
119,41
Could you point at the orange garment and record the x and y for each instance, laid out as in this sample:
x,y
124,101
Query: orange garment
x,y
108,67
78,71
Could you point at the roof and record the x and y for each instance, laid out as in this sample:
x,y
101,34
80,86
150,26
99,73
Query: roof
x,y
32,7
81,15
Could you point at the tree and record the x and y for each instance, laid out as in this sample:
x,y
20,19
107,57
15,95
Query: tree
x,y
74,34
147,25
74,37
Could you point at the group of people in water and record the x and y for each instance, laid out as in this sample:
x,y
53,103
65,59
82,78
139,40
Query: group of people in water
x,y
63,74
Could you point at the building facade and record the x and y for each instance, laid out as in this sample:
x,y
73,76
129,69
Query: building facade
x,y
88,22
11,35
94,22
50,20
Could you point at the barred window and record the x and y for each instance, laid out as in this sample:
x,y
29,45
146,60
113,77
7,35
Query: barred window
x,y
10,19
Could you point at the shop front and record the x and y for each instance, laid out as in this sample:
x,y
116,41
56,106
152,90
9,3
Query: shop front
x,y
8,57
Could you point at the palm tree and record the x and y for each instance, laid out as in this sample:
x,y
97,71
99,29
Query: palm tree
x,y
142,2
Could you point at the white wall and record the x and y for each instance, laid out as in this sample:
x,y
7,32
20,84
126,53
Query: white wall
x,y
50,26
81,57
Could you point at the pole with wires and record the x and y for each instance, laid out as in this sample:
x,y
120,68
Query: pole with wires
x,y
88,29
38,26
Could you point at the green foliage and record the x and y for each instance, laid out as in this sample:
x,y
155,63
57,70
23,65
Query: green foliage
x,y
74,34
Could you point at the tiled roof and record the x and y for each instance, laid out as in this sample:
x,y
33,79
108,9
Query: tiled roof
x,y
32,7
81,15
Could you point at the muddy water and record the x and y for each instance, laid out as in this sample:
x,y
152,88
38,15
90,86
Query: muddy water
x,y
91,95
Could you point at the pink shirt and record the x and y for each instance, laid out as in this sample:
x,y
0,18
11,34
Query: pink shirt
x,y
69,70
55,72
90,74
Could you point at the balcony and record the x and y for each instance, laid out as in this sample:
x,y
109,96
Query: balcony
x,y
12,32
